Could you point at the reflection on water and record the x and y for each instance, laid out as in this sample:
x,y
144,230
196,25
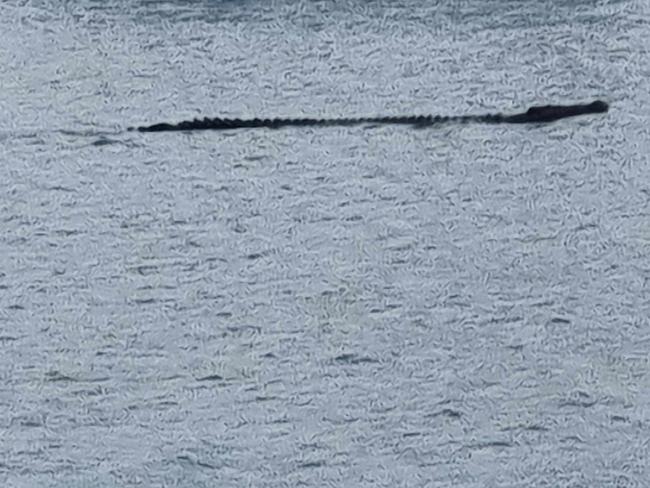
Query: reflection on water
x,y
368,306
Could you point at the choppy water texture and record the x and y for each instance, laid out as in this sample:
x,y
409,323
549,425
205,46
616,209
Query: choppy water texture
x,y
367,306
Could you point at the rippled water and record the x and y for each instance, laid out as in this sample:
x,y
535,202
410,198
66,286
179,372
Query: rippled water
x,y
369,306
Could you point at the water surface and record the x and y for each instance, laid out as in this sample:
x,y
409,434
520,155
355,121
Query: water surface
x,y
367,306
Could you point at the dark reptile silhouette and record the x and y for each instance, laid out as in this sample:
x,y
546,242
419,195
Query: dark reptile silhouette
x,y
546,113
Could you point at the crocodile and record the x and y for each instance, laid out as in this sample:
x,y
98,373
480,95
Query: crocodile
x,y
535,114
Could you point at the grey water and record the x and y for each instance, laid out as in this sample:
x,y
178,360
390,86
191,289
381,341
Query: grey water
x,y
458,306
